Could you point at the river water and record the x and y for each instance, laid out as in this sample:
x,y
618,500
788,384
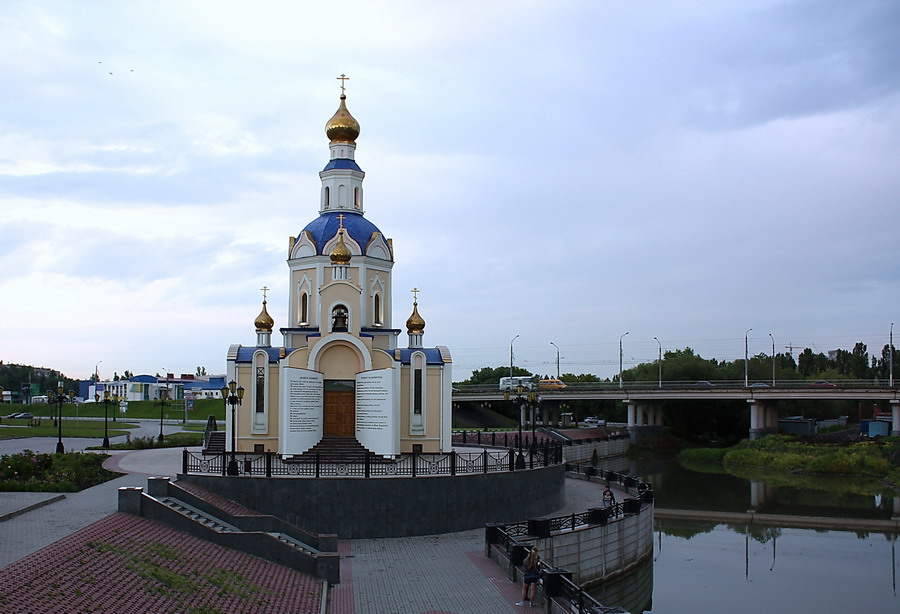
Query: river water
x,y
705,566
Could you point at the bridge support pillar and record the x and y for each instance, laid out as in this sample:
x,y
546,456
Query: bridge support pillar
x,y
632,422
895,417
763,418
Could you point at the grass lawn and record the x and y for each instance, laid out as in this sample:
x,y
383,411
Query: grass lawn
x,y
173,410
70,428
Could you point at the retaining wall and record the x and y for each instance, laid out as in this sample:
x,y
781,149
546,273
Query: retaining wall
x,y
396,507
584,452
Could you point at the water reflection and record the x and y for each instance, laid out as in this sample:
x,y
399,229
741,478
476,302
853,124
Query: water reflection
x,y
718,564
633,591
714,488
737,569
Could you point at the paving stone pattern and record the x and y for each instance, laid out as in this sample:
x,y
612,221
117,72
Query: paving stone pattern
x,y
124,563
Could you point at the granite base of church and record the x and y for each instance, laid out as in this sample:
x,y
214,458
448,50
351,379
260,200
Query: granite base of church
x,y
396,507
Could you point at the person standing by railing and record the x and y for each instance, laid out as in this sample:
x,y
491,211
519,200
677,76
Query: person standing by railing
x,y
608,501
531,576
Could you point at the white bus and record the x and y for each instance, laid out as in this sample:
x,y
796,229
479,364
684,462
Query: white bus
x,y
511,383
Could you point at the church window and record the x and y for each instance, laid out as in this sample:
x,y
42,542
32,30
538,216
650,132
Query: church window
x,y
377,309
342,195
417,390
356,197
304,308
260,389
327,197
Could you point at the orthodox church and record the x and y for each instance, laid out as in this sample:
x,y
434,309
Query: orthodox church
x,y
340,373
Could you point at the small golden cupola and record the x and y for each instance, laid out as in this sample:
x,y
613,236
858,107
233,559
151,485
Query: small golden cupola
x,y
264,324
415,324
342,127
340,255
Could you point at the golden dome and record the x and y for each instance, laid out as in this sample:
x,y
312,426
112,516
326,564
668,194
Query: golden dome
x,y
415,325
341,253
342,127
264,321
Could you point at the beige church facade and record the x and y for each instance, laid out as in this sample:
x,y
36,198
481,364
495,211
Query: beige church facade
x,y
341,374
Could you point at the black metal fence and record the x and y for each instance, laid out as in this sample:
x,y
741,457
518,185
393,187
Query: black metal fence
x,y
510,439
417,464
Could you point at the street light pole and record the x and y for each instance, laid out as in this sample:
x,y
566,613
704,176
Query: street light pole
x,y
557,358
106,419
163,397
746,359
659,361
511,359
773,359
891,355
620,360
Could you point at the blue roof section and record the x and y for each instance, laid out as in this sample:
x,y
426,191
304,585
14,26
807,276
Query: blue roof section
x,y
343,164
432,355
324,227
245,354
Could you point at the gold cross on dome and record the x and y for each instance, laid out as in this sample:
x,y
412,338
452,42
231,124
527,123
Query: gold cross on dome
x,y
342,78
340,219
415,293
264,291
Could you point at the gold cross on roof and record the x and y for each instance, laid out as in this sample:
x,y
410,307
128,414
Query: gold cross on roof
x,y
415,292
264,290
342,78
340,219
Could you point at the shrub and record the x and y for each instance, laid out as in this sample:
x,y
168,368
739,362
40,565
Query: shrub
x,y
703,455
28,471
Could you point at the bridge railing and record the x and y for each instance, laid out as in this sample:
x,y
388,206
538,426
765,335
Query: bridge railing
x,y
461,390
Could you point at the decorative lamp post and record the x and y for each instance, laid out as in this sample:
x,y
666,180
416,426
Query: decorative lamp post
x,y
233,394
163,398
621,384
518,401
60,398
106,401
746,359
773,359
659,361
557,358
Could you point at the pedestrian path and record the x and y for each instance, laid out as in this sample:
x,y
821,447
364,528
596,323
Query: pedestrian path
x,y
411,575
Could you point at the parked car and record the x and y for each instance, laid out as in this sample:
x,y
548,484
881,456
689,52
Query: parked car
x,y
12,415
25,415
759,385
704,384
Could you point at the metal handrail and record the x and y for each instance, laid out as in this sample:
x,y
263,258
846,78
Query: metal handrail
x,y
417,464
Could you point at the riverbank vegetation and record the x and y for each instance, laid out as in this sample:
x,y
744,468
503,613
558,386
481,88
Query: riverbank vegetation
x,y
32,472
876,458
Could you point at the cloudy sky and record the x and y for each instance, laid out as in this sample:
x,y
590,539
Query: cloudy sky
x,y
564,171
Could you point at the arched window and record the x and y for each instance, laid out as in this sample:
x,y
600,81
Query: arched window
x,y
327,200
304,308
376,307
357,201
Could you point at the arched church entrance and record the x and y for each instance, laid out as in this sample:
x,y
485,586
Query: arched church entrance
x,y
340,408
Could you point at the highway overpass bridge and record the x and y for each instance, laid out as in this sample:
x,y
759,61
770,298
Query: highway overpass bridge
x,y
644,399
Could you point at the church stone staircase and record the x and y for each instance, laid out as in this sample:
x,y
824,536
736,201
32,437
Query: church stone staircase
x,y
332,449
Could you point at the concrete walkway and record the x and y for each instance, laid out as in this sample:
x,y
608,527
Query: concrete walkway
x,y
435,574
